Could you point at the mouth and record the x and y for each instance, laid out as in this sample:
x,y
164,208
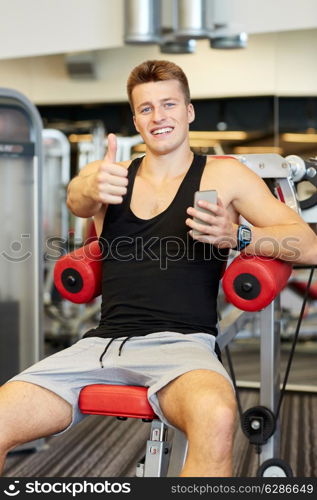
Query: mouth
x,y
162,132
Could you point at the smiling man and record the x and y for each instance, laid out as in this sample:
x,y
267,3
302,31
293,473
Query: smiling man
x,y
158,322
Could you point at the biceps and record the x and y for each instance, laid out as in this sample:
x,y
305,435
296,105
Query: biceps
x,y
263,209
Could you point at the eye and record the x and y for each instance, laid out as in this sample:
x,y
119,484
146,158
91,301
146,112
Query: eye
x,y
169,104
146,109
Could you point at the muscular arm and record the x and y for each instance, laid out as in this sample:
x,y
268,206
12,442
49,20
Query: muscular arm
x,y
278,231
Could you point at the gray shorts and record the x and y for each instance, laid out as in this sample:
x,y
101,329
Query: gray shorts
x,y
151,361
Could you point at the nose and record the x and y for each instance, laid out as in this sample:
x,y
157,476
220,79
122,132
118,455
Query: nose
x,y
158,114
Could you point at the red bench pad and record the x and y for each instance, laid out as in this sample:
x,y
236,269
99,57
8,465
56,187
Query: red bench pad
x,y
116,400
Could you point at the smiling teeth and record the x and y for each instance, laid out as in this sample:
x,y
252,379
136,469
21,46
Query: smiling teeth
x,y
162,130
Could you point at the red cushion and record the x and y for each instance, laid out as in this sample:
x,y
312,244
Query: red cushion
x,y
116,400
270,274
84,267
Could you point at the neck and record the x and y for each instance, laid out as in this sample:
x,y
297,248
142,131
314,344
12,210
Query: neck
x,y
161,167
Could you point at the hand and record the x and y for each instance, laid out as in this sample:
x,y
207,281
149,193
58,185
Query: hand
x,y
109,184
217,227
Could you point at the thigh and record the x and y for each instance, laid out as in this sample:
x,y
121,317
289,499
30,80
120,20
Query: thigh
x,y
189,371
28,412
195,397
45,395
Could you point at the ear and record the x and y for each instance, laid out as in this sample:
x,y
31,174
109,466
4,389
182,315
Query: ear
x,y
134,121
190,113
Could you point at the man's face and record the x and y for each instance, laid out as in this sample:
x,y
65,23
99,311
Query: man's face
x,y
161,115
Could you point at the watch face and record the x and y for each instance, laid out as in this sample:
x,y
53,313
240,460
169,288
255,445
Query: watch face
x,y
245,234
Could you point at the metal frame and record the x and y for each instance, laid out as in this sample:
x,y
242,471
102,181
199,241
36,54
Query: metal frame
x,y
62,151
270,375
10,97
17,99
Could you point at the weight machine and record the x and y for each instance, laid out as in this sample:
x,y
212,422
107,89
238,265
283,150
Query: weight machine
x,y
21,255
252,285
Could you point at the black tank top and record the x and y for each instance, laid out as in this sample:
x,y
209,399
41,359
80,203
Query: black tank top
x,y
155,276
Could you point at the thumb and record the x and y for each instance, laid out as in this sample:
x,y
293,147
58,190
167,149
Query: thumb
x,y
112,148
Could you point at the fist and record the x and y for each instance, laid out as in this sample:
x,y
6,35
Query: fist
x,y
111,180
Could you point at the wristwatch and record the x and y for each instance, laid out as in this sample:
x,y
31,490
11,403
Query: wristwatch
x,y
244,237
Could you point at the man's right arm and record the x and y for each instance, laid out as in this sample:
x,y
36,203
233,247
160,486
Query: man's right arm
x,y
81,200
99,183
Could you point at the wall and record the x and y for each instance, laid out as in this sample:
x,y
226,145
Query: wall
x,y
275,63
42,27
37,27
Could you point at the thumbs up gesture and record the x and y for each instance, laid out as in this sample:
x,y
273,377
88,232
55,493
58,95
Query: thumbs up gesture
x,y
111,178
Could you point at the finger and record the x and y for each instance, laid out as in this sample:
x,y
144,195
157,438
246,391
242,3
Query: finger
x,y
202,228
116,190
115,180
114,170
113,200
112,149
209,218
201,237
209,206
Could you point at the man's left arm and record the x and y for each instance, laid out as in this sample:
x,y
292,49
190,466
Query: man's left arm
x,y
276,231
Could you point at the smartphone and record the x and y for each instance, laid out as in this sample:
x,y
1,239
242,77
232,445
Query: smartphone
x,y
209,195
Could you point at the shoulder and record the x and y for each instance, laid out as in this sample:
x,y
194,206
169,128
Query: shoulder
x,y
230,169
226,164
232,179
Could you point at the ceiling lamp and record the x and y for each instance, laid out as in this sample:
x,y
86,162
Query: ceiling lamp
x,y
238,41
224,33
190,19
142,21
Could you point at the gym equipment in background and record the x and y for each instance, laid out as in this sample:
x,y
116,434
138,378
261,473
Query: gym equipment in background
x,y
21,261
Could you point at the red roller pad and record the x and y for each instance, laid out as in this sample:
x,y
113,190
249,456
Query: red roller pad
x,y
77,275
251,282
116,400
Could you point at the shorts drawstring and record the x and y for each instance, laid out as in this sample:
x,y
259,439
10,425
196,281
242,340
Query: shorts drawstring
x,y
105,350
122,344
108,345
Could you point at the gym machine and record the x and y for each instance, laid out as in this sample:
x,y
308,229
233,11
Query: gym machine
x,y
252,285
56,228
55,178
21,255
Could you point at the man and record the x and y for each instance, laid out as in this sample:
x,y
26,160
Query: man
x,y
158,321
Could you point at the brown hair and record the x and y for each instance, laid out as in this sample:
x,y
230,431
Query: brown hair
x,y
157,71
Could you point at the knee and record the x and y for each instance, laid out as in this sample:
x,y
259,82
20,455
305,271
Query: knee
x,y
210,429
223,417
8,434
214,412
7,442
